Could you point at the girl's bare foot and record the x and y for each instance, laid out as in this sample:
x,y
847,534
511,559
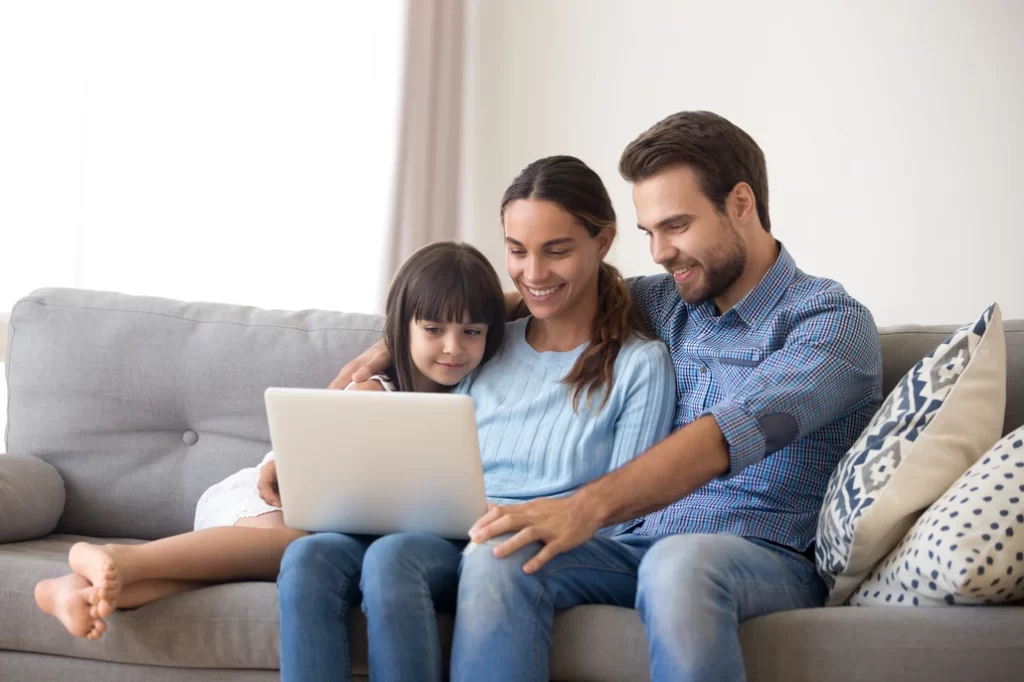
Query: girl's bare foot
x,y
67,599
96,564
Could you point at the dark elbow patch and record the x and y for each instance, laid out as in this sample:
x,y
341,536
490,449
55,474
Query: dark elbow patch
x,y
779,430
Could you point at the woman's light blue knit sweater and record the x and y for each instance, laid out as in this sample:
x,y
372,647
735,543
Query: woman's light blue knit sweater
x,y
531,441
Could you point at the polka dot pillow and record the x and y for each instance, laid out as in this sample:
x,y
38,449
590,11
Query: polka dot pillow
x,y
968,547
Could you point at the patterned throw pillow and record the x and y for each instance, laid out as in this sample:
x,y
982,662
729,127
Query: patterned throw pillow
x,y
968,548
938,420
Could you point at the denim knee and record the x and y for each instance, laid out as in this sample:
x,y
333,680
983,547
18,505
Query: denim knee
x,y
391,565
679,563
321,560
488,582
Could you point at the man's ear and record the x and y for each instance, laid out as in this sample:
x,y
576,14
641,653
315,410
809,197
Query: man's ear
x,y
741,204
604,240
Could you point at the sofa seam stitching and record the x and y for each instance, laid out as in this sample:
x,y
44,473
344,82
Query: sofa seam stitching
x,y
189,319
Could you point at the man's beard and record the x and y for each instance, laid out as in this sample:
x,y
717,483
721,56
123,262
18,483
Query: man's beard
x,y
722,266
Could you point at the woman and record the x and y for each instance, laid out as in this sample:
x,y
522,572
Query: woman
x,y
577,390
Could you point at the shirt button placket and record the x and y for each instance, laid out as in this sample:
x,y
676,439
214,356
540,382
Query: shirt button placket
x,y
705,384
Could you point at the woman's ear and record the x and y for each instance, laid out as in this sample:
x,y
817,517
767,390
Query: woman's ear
x,y
604,240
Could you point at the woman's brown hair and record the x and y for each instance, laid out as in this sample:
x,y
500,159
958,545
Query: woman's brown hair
x,y
441,282
570,183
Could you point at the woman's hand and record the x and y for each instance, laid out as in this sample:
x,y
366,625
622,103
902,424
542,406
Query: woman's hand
x,y
374,360
268,484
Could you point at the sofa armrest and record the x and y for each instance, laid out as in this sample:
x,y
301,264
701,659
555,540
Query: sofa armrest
x,y
31,498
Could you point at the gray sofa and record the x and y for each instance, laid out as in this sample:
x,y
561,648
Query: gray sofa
x,y
123,409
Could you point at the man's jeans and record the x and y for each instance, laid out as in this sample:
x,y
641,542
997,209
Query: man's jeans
x,y
691,591
403,576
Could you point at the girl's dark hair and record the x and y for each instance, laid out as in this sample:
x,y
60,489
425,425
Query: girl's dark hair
x,y
441,282
570,183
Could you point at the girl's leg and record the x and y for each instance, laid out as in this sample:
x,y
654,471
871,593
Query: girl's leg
x,y
319,582
143,592
72,600
407,578
250,550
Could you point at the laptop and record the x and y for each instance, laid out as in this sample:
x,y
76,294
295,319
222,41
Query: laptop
x,y
371,462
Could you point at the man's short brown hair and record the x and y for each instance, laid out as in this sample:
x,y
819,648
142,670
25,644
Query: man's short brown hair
x,y
721,154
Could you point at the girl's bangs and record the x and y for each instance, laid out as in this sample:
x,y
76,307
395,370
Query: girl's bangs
x,y
452,296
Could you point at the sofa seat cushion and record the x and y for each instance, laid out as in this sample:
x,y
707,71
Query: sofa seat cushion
x,y
859,643
236,627
222,626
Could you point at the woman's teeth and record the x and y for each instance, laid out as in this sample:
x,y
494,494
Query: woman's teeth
x,y
541,293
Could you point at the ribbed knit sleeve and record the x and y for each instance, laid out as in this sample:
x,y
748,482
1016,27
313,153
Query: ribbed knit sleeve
x,y
649,402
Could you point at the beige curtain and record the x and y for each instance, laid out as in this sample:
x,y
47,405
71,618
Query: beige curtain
x,y
427,166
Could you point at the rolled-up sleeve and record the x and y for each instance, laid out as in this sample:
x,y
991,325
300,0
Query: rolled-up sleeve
x,y
829,365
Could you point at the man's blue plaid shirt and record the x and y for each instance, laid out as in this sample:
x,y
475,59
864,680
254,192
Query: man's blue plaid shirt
x,y
792,374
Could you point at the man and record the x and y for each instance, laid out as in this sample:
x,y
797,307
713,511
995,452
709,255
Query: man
x,y
778,373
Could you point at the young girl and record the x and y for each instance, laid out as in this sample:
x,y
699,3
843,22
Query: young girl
x,y
444,318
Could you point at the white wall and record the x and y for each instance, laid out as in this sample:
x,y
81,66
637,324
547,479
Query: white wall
x,y
893,130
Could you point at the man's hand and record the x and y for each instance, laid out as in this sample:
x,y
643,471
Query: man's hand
x,y
560,524
268,484
374,360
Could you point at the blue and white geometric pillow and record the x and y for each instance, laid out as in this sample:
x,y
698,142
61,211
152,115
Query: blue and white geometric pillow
x,y
968,548
937,421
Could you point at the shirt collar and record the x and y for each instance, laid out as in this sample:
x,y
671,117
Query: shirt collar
x,y
760,301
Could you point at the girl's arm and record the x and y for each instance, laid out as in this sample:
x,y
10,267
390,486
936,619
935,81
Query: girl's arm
x,y
368,385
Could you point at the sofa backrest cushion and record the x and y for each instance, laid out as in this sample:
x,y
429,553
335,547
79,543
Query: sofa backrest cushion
x,y
904,345
142,403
